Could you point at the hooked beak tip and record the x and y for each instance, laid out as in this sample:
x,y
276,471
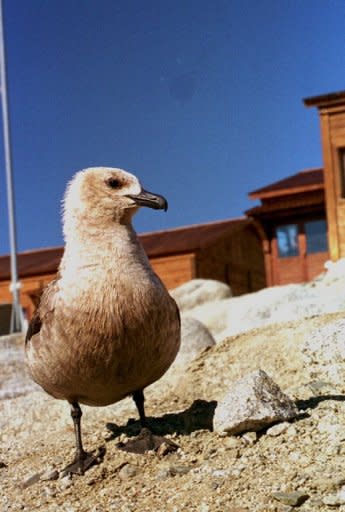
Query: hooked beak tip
x,y
145,198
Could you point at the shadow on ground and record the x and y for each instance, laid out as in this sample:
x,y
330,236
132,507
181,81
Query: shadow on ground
x,y
199,416
314,401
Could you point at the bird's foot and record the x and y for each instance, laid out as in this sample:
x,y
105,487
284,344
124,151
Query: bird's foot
x,y
147,441
82,462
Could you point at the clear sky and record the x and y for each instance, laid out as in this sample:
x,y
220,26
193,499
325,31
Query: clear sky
x,y
202,100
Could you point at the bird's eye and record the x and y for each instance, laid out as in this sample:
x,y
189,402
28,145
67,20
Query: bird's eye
x,y
114,183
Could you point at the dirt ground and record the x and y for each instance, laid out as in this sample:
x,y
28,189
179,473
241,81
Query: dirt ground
x,y
300,466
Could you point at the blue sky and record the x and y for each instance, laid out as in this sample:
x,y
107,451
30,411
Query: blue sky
x,y
202,100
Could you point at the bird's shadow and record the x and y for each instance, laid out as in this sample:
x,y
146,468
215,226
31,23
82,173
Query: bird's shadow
x,y
199,416
314,401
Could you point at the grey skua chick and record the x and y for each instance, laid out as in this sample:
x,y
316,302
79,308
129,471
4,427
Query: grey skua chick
x,y
106,327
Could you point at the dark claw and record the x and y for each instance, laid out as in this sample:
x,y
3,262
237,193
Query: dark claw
x,y
147,441
82,462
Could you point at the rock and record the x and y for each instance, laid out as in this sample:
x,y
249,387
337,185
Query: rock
x,y
163,474
48,492
252,403
232,443
173,470
293,499
279,429
250,438
195,337
66,481
199,291
324,354
128,471
164,449
335,500
31,480
50,474
2,464
179,470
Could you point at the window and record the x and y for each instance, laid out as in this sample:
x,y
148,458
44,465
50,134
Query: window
x,y
287,240
341,153
316,235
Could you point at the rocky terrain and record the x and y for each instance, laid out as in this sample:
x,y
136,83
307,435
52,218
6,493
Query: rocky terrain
x,y
296,334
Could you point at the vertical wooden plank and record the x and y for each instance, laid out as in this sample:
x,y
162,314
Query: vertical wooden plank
x,y
302,244
268,260
330,186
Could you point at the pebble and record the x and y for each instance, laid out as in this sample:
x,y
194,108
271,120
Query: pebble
x,y
48,492
294,499
232,442
335,500
179,470
163,474
236,472
210,453
31,480
50,474
128,471
299,458
291,431
278,429
250,438
219,473
164,449
173,470
66,482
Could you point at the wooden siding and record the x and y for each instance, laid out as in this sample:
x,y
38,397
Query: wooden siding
x,y
316,264
237,260
296,269
174,270
332,121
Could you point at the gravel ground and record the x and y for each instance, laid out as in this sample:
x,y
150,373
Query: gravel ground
x,y
297,465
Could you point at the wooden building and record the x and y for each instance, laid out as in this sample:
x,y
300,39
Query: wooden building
x,y
331,108
293,217
229,251
287,238
303,216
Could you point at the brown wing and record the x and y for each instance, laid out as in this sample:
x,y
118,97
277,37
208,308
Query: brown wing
x,y
34,326
45,306
178,313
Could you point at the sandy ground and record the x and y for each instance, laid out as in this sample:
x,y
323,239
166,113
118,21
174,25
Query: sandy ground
x,y
252,472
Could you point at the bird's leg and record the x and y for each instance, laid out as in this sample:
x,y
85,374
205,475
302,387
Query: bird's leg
x,y
82,460
146,440
139,400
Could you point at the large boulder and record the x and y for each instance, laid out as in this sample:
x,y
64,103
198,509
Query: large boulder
x,y
324,354
195,337
199,291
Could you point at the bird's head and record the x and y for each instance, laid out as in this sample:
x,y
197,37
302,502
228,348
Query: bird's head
x,y
101,196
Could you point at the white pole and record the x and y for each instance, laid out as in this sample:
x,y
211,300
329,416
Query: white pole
x,y
17,313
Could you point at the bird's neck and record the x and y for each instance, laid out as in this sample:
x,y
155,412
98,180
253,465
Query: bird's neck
x,y
114,245
108,268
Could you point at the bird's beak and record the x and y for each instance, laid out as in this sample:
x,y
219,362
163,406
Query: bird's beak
x,y
145,198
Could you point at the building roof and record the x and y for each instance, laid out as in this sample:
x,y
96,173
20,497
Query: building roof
x,y
304,181
325,100
159,243
34,262
288,205
189,238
